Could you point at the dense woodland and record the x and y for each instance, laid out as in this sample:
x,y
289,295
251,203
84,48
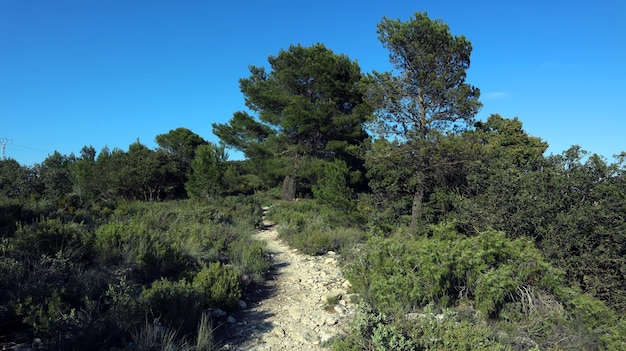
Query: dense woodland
x,y
456,234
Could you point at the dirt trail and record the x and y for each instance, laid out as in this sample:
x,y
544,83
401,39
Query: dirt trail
x,y
289,311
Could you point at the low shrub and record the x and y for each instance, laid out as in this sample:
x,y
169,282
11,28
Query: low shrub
x,y
315,229
483,277
426,331
177,304
489,269
157,337
250,257
123,266
218,285
49,236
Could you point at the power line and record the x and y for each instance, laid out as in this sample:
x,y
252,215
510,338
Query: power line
x,y
4,142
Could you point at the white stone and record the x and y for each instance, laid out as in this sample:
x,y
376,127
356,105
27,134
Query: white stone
x,y
280,332
331,321
340,309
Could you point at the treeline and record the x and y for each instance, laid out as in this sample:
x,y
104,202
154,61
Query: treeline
x,y
466,220
138,173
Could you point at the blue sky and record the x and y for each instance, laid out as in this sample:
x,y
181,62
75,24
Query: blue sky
x,y
105,73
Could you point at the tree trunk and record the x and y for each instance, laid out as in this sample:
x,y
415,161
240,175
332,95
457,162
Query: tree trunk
x,y
416,209
289,188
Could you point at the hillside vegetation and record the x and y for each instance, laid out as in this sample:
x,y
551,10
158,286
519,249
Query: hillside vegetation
x,y
456,234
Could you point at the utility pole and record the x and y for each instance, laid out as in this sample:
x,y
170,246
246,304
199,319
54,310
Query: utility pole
x,y
4,142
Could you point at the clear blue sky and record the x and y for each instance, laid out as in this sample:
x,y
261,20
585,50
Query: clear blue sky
x,y
106,72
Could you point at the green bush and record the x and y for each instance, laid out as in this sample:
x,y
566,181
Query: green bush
x,y
167,241
123,308
426,331
94,283
250,258
49,236
315,229
502,280
332,187
176,304
115,242
154,253
615,338
488,268
219,285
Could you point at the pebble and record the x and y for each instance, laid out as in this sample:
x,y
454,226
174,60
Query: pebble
x,y
296,315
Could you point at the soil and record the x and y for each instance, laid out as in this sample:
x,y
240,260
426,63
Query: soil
x,y
302,304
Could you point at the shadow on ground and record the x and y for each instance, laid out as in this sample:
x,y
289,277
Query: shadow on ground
x,y
250,323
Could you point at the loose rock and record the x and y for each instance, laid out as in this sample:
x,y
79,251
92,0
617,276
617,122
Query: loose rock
x,y
295,315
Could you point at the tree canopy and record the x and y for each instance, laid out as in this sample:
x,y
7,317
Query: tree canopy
x,y
426,95
308,105
181,143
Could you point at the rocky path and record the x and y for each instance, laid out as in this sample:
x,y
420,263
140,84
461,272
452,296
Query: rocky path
x,y
291,310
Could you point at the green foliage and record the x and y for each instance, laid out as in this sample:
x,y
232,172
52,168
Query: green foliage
x,y
430,91
480,276
591,312
249,257
96,283
50,236
182,144
139,174
397,273
170,239
206,179
373,330
332,186
569,204
425,100
54,176
452,334
175,303
82,174
16,181
615,338
309,106
124,309
219,285
314,228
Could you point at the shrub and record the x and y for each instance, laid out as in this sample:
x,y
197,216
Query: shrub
x,y
157,337
219,285
315,229
615,338
148,261
488,268
49,236
176,304
249,256
167,241
377,331
124,310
